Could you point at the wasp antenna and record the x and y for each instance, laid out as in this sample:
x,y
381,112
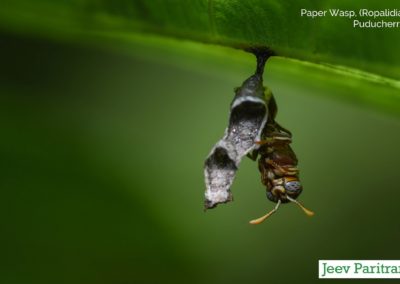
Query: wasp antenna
x,y
308,212
262,219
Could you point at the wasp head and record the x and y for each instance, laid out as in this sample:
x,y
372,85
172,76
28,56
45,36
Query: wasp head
x,y
288,186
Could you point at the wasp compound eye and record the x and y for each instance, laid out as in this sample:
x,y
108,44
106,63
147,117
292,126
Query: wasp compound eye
x,y
272,197
293,187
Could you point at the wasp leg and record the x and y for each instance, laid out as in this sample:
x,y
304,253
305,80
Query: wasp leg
x,y
284,170
263,142
270,141
253,155
265,175
283,129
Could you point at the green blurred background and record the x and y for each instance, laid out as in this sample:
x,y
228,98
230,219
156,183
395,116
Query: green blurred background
x,y
102,154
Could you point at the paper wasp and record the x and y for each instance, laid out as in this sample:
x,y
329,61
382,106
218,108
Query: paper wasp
x,y
277,164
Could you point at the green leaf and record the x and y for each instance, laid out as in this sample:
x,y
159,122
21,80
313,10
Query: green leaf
x,y
241,24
